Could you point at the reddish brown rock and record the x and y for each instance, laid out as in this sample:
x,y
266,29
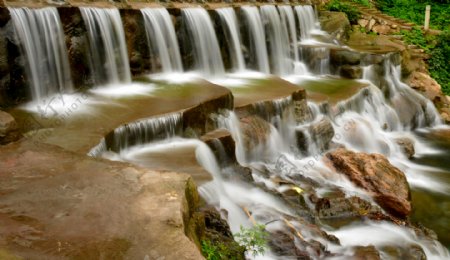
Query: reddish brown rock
x,y
375,174
407,146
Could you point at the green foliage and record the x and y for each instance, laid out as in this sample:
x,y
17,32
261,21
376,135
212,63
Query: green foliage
x,y
363,2
214,251
440,61
414,11
338,6
254,239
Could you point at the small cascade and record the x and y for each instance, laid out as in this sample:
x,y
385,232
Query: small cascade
x,y
206,47
140,132
412,109
307,20
230,25
257,36
108,50
162,38
281,62
43,44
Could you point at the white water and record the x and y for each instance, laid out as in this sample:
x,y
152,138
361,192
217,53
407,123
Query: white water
x,y
43,44
108,50
231,28
162,38
257,37
307,20
203,37
280,59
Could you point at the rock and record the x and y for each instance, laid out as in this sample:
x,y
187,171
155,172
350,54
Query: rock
x,y
407,146
302,112
371,24
222,145
363,22
425,84
366,253
337,206
255,131
58,204
345,57
335,23
9,130
320,132
381,29
374,173
351,72
283,244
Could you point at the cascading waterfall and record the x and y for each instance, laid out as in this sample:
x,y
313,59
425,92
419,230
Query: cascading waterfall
x,y
413,110
162,38
108,50
257,37
280,58
206,47
230,25
307,20
288,21
43,44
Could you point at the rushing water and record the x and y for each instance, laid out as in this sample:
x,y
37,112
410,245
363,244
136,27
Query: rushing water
x,y
278,39
255,30
108,49
162,38
230,24
206,47
307,20
42,38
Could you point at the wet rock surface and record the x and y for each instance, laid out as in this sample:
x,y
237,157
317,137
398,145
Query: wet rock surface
x,y
375,174
407,146
9,129
73,206
320,132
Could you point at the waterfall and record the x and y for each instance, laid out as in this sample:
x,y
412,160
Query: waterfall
x,y
281,62
288,21
412,109
140,132
206,47
230,25
162,38
307,20
257,37
43,45
108,50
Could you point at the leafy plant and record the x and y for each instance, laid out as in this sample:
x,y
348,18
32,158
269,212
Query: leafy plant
x,y
254,239
212,251
363,2
338,6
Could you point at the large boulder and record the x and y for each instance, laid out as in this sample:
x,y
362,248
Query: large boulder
x,y
9,130
335,23
374,173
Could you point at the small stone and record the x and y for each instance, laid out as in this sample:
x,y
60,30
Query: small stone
x,y
9,130
407,146
363,22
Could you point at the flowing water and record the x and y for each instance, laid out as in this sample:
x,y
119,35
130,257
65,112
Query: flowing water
x,y
162,38
255,30
383,110
231,28
108,49
43,44
278,39
203,37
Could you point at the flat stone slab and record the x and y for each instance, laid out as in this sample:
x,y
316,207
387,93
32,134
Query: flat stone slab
x,y
57,204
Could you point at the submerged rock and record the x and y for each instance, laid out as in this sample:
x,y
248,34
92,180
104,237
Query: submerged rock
x,y
366,253
375,174
320,132
407,146
9,130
